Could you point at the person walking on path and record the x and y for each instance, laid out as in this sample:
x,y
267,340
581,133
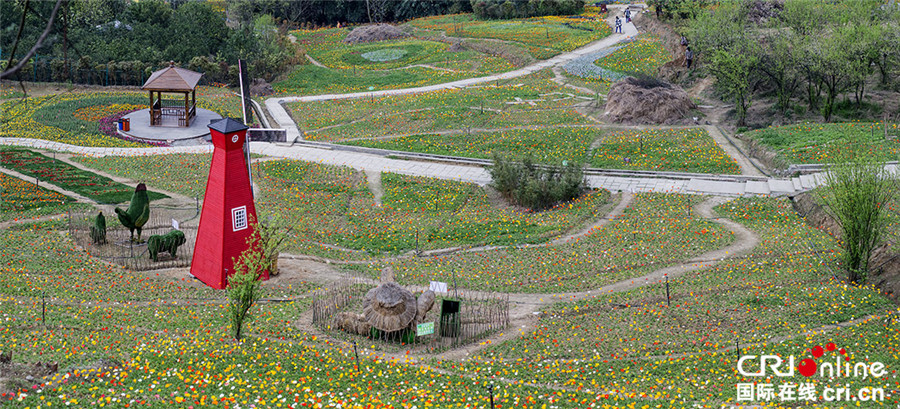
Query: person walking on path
x,y
689,57
627,15
618,25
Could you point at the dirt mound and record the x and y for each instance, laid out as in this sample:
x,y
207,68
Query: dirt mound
x,y
260,88
377,32
648,101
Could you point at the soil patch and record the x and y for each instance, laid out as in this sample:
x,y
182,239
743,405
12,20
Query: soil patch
x,y
371,33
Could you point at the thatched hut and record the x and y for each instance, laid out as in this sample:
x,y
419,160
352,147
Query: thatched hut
x,y
390,307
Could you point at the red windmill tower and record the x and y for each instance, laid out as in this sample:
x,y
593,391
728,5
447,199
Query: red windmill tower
x,y
227,207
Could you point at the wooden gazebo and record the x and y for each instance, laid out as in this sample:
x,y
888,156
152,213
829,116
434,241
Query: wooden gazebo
x,y
173,80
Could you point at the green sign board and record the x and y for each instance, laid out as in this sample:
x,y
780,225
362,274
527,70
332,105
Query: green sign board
x,y
425,328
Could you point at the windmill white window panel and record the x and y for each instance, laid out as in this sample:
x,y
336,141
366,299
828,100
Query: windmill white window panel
x,y
239,218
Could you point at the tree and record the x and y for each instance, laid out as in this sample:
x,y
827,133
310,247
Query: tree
x,y
734,74
778,61
199,30
243,285
857,196
832,60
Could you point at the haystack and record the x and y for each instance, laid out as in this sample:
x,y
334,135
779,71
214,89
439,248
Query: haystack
x,y
389,307
377,32
647,101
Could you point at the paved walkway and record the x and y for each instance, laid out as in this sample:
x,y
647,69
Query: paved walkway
x,y
473,174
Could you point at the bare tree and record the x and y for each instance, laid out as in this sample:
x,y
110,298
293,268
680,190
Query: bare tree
x,y
40,41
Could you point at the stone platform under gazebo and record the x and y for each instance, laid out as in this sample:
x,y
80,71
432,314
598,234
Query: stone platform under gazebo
x,y
195,134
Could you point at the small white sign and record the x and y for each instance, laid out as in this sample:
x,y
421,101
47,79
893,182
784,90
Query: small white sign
x,y
175,224
438,287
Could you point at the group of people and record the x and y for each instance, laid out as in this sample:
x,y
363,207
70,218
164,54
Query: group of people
x,y
619,21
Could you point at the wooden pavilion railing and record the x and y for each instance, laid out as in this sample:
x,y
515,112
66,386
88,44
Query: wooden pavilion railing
x,y
172,108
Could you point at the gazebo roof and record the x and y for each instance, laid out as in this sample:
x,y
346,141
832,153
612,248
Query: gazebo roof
x,y
172,79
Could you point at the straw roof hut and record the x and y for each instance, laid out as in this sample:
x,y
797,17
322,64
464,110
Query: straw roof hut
x,y
389,307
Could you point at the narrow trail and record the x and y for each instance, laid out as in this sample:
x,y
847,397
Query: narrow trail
x,y
626,199
747,168
373,180
560,79
309,57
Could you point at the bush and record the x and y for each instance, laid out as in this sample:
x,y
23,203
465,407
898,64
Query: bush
x,y
536,187
507,9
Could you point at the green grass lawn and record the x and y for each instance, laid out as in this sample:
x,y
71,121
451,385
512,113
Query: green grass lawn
x,y
826,143
526,101
683,150
389,64
332,206
185,174
59,173
550,32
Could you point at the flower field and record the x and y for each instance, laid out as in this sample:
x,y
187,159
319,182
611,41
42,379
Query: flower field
x,y
634,344
165,343
487,106
93,186
683,150
553,32
656,231
592,320
23,199
82,118
644,55
545,145
824,143
180,173
333,206
179,354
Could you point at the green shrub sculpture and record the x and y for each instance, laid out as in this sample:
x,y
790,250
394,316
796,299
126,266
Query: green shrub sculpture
x,y
537,187
138,211
168,243
98,230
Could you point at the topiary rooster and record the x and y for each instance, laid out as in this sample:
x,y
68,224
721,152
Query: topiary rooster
x,y
138,211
